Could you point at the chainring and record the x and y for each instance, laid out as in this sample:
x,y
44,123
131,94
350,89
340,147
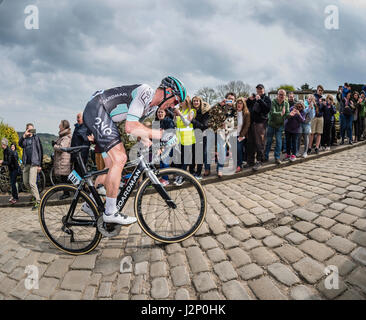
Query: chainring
x,y
108,229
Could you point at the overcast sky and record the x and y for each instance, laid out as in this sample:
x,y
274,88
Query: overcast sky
x,y
47,75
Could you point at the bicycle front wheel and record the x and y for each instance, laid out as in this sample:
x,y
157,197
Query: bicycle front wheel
x,y
78,235
166,224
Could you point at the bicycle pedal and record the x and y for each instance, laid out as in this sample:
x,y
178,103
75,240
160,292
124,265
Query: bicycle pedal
x,y
108,229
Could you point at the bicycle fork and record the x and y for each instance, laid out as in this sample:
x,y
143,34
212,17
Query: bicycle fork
x,y
160,189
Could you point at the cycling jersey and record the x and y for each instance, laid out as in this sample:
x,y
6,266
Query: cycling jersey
x,y
127,102
107,107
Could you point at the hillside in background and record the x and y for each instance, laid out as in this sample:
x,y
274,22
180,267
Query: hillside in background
x,y
46,139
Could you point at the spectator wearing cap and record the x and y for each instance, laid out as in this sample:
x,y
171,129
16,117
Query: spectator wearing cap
x,y
276,118
259,106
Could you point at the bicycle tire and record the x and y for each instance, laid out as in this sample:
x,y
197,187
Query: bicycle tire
x,y
54,179
42,212
146,225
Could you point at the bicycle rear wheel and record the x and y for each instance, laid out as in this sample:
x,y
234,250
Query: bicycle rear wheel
x,y
54,178
73,239
166,224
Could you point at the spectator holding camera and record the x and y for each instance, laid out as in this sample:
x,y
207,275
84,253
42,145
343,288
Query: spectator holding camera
x,y
32,160
276,119
62,160
259,106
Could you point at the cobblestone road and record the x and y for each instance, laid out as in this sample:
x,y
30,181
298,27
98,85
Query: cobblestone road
x,y
268,236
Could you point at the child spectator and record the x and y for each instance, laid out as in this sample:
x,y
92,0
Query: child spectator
x,y
243,123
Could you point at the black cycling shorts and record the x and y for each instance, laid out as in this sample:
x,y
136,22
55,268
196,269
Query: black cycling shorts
x,y
99,122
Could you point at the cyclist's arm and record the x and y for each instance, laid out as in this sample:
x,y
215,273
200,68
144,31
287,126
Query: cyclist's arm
x,y
137,129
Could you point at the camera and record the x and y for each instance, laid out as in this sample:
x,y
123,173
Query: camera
x,y
32,131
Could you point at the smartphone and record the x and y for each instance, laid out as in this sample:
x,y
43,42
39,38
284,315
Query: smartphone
x,y
32,131
229,101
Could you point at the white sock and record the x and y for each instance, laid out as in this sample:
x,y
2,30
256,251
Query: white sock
x,y
110,206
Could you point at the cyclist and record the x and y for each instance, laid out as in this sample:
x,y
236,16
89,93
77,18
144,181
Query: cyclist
x,y
130,103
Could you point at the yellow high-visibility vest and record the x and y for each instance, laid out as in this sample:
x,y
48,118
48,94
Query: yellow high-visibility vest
x,y
185,134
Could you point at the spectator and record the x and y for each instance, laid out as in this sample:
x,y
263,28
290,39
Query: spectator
x,y
319,93
11,160
166,123
363,115
356,99
346,88
80,138
184,116
217,118
259,106
346,117
201,122
291,99
292,129
317,124
32,160
243,124
62,160
305,127
329,111
276,119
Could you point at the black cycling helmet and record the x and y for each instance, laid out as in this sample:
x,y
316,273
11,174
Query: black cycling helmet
x,y
177,86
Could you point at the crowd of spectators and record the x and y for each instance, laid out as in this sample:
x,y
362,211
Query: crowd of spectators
x,y
205,134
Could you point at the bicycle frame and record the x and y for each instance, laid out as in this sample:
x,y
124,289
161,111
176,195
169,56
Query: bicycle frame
x,y
141,168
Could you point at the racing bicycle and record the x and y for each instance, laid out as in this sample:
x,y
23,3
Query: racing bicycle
x,y
167,214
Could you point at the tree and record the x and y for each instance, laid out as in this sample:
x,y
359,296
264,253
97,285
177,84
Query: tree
x,y
238,87
9,133
306,87
286,87
207,94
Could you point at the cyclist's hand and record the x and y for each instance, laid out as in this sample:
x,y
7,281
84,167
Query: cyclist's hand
x,y
146,142
39,169
1,162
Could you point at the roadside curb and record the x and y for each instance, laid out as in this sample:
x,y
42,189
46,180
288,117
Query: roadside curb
x,y
245,173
